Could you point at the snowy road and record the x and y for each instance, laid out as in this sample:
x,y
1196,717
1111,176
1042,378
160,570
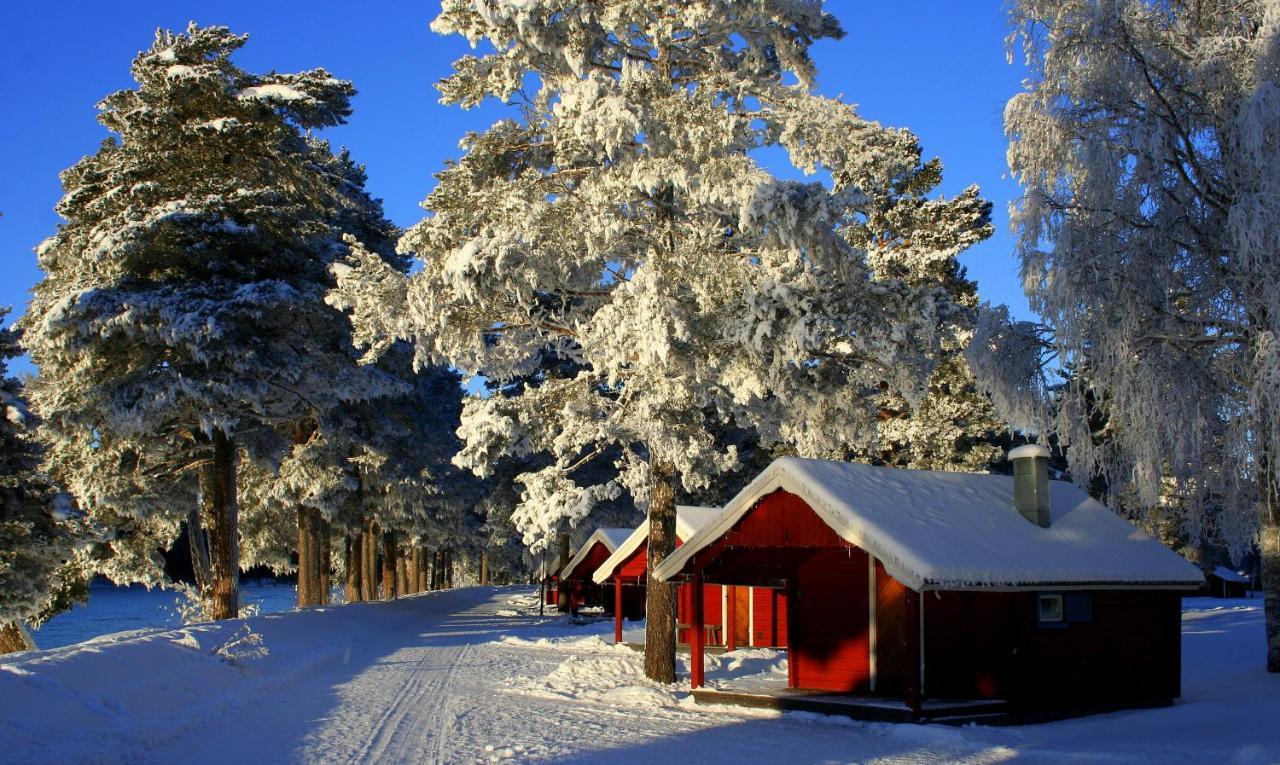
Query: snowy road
x,y
462,677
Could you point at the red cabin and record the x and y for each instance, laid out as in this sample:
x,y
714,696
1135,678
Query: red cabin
x,y
913,584
575,577
757,614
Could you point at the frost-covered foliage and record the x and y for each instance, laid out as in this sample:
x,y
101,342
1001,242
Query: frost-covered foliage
x,y
623,223
1148,144
954,426
386,459
181,316
39,566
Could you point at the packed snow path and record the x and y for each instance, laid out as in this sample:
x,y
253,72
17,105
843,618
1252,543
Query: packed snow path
x,y
471,676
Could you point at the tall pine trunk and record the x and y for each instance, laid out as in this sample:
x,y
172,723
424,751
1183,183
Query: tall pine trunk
x,y
324,557
424,569
14,637
313,558
218,508
415,563
388,565
484,568
306,552
369,559
660,597
1269,552
353,565
402,575
198,542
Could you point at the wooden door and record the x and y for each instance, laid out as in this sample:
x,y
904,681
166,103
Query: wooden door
x,y
742,615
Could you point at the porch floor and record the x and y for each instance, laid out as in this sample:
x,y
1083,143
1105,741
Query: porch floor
x,y
947,712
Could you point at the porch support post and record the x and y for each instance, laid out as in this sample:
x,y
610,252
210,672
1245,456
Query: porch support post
x,y
730,638
793,642
915,691
617,608
696,633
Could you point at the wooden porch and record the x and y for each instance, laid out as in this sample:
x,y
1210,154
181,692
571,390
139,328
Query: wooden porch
x,y
869,708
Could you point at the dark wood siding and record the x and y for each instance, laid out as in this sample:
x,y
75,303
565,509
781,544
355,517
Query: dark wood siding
x,y
892,624
1124,647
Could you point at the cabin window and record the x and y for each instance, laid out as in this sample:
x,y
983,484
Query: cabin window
x,y
1079,607
1050,611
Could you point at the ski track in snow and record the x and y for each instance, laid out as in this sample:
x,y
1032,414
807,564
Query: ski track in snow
x,y
459,677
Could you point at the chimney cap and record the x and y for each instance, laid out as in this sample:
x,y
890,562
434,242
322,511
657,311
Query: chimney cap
x,y
1029,450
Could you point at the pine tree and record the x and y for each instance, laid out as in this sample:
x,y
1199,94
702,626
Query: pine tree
x,y
39,571
623,223
173,328
1148,143
954,426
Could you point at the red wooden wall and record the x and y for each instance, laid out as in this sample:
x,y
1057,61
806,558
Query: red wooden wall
x,y
770,628
830,647
712,614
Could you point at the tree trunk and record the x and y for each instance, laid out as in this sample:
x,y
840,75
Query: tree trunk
x,y
218,501
402,575
388,565
354,565
660,597
424,569
198,542
1269,553
484,568
313,558
369,559
436,568
324,557
415,572
14,637
305,598
562,595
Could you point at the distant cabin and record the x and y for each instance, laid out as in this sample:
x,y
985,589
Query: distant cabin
x,y
1223,582
918,585
731,616
575,578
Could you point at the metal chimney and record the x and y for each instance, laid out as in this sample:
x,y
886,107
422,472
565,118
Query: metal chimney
x,y
1031,483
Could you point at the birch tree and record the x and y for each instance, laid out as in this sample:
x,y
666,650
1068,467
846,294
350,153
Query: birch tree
x,y
1148,145
174,325
622,221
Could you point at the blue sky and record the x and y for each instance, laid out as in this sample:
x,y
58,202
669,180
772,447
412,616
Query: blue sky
x,y
937,67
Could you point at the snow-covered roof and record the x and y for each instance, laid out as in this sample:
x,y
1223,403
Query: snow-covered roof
x,y
689,519
1227,575
959,530
610,538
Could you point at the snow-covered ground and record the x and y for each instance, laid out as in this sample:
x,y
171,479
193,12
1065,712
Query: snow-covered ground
x,y
115,609
474,675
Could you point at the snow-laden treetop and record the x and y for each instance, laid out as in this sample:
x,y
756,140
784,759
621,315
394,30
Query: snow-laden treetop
x,y
624,223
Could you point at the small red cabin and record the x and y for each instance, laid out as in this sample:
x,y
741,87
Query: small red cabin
x,y
914,584
757,614
575,577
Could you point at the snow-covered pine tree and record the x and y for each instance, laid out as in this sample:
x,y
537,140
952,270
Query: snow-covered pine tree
x,y
309,483
623,222
39,572
1148,143
954,426
385,461
173,325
